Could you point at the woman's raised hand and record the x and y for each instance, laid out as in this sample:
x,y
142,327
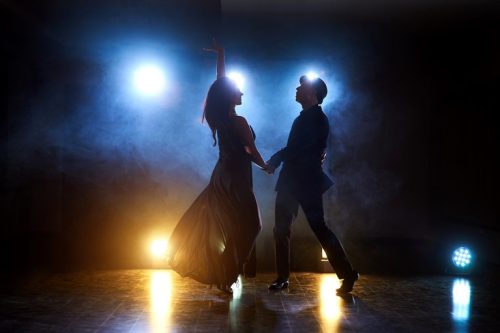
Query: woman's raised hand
x,y
216,47
221,66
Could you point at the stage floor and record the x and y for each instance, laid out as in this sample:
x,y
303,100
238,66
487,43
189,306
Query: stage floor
x,y
162,301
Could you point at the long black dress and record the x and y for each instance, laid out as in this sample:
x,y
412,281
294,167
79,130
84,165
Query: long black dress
x,y
216,235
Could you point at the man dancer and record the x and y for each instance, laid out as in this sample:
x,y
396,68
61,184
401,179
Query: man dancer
x,y
303,182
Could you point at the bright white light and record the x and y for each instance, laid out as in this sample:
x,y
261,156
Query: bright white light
x,y
461,299
462,257
323,255
237,78
312,75
159,248
149,80
237,288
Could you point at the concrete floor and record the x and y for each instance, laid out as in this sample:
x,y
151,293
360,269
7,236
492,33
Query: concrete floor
x,y
162,301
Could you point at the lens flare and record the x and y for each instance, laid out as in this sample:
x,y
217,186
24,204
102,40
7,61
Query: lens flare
x,y
159,248
312,75
237,78
149,80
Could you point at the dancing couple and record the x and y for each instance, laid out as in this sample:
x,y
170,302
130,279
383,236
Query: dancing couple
x,y
214,240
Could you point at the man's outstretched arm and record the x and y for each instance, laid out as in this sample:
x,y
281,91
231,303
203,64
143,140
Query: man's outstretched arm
x,y
313,139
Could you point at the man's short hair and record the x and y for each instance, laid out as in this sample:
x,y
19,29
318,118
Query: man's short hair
x,y
318,85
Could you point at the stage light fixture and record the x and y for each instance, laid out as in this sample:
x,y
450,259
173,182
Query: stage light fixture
x,y
159,248
462,257
237,78
312,75
149,80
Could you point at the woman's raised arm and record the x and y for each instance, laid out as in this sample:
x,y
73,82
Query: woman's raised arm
x,y
221,66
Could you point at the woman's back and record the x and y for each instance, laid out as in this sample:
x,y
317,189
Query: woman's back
x,y
234,166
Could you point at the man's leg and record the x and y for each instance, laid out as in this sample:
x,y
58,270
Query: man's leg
x,y
285,212
312,205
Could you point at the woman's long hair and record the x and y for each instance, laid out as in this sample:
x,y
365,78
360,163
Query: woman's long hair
x,y
220,98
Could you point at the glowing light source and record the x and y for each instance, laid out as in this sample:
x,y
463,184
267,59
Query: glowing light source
x,y
159,248
461,257
149,80
312,75
237,288
323,255
461,299
237,78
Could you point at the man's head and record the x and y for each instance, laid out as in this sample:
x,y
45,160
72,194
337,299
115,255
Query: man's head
x,y
311,91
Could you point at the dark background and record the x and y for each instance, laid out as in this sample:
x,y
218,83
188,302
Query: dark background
x,y
91,175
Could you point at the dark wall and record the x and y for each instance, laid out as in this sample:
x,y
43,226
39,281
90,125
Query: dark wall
x,y
78,192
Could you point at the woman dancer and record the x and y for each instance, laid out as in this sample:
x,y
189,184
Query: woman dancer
x,y
216,235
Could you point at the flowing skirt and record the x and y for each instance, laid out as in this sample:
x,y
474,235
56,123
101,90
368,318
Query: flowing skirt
x,y
216,235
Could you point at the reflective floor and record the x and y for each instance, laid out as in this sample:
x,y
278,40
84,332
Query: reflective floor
x,y
161,301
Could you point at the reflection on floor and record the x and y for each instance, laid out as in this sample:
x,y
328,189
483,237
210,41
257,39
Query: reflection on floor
x,y
161,301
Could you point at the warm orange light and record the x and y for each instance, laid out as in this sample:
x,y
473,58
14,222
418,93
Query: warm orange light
x,y
330,306
159,248
323,255
160,301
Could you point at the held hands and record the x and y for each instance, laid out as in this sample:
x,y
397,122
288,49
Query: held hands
x,y
269,168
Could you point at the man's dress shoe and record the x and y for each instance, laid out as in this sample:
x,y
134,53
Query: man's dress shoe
x,y
278,284
348,283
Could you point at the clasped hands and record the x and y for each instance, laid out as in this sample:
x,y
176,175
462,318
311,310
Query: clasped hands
x,y
269,168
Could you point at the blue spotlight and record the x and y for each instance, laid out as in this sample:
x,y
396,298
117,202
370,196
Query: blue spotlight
x,y
237,78
312,75
462,257
149,80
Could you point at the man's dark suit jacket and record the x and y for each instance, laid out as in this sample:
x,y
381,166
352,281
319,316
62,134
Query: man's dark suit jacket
x,y
302,170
